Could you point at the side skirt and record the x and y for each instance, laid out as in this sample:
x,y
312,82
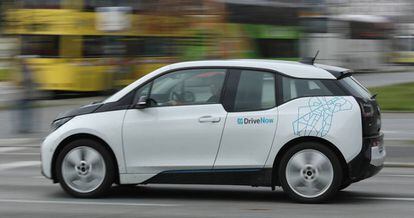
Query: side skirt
x,y
249,176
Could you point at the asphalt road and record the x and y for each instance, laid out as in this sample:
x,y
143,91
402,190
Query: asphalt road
x,y
25,193
398,126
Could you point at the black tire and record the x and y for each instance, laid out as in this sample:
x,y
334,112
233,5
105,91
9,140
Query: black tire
x,y
109,177
345,185
337,172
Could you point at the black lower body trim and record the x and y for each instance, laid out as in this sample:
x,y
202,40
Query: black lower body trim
x,y
250,176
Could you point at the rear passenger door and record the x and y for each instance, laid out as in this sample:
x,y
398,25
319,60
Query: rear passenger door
x,y
250,126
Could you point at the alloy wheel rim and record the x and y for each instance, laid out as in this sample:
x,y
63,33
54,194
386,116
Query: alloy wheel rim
x,y
309,173
83,169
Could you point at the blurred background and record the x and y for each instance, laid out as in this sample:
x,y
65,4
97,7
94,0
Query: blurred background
x,y
58,54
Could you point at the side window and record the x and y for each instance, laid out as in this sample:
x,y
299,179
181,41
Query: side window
x,y
188,87
143,91
255,91
296,88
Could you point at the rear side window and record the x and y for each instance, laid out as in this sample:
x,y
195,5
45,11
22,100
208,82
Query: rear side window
x,y
296,88
355,88
255,91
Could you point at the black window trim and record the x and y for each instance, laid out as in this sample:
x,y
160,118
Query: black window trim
x,y
231,96
230,91
223,100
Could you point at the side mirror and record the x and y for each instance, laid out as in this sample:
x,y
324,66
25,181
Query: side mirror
x,y
142,102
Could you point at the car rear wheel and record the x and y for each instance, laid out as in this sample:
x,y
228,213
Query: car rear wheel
x,y
85,168
310,172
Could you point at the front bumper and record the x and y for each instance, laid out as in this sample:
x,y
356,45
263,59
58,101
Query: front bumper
x,y
369,161
46,154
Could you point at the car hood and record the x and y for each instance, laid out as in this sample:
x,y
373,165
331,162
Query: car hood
x,y
86,109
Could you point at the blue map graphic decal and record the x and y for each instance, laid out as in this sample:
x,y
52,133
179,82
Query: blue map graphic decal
x,y
315,119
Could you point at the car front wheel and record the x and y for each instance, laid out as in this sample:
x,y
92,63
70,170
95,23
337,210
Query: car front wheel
x,y
85,168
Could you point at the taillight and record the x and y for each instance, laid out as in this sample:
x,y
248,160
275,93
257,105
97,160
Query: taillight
x,y
367,109
371,118
376,142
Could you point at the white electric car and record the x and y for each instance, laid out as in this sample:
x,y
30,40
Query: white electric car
x,y
312,129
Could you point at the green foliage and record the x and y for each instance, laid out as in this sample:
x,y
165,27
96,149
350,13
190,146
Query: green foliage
x,y
398,97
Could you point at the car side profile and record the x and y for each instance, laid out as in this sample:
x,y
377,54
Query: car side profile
x,y
311,129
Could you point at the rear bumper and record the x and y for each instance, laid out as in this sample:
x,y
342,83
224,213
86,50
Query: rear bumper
x,y
369,161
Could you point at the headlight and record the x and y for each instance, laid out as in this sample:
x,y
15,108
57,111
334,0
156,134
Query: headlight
x,y
58,123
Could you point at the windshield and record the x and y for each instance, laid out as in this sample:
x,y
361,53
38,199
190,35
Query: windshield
x,y
356,89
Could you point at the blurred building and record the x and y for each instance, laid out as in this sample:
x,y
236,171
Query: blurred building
x,y
95,45
90,45
400,46
399,11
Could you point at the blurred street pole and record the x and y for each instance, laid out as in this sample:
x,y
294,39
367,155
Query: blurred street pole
x,y
25,102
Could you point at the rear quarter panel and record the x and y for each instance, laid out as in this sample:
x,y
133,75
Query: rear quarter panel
x,y
335,119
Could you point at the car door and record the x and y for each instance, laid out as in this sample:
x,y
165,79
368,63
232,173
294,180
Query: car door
x,y
251,122
182,126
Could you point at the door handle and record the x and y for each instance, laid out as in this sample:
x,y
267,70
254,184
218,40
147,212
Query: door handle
x,y
209,119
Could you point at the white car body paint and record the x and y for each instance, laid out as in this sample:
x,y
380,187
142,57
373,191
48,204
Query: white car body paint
x,y
247,144
152,140
106,126
172,138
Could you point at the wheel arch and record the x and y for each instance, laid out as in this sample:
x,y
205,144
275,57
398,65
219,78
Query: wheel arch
x,y
74,137
288,145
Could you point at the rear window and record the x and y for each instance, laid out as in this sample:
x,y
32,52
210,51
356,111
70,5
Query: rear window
x,y
296,88
355,88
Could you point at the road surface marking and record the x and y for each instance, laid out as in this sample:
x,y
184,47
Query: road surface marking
x,y
86,203
398,164
38,177
405,145
26,153
12,165
20,142
389,131
398,139
8,149
397,175
387,198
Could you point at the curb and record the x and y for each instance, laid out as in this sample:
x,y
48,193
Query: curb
x,y
39,105
386,69
395,112
398,165
20,142
69,102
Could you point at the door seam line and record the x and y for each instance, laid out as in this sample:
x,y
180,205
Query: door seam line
x,y
122,142
221,138
274,138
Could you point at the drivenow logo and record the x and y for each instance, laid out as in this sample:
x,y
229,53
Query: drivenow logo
x,y
261,120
